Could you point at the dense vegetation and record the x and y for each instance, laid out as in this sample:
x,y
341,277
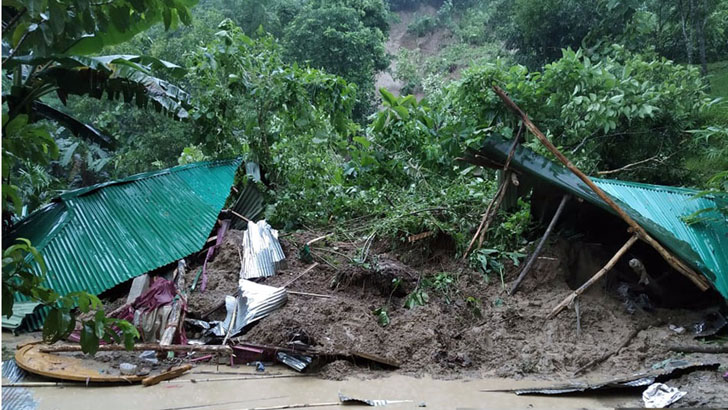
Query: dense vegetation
x,y
93,92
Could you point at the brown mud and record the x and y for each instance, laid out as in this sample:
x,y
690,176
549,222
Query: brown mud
x,y
469,329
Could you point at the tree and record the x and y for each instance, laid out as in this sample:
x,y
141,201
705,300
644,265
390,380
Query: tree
x,y
44,51
610,110
345,38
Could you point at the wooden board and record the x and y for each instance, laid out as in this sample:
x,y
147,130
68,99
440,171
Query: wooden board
x,y
31,359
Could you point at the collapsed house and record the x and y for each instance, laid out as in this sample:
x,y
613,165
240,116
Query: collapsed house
x,y
662,211
97,237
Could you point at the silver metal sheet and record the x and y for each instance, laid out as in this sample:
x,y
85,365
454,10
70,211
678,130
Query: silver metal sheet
x,y
296,362
262,253
255,302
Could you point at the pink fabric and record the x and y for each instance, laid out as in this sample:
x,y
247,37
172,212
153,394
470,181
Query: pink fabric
x,y
160,293
224,225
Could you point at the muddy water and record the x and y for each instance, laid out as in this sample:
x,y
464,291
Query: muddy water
x,y
241,394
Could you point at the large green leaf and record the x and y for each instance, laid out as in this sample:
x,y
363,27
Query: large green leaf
x,y
83,27
77,127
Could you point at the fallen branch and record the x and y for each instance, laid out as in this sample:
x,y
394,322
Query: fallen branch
x,y
312,241
142,347
607,355
628,166
497,199
307,270
567,301
237,214
537,251
677,264
699,349
309,294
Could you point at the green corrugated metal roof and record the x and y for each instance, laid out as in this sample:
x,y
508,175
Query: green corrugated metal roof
x,y
20,310
96,237
659,209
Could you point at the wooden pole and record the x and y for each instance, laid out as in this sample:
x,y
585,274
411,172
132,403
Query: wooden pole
x,y
172,373
142,347
537,251
677,264
497,199
567,301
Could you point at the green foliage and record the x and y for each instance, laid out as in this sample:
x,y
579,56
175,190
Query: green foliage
x,y
20,262
382,315
606,110
345,38
191,154
418,297
250,103
423,25
83,27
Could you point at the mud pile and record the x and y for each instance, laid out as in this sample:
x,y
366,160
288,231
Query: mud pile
x,y
470,326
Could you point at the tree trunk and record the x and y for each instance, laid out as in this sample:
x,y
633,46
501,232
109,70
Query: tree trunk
x,y
700,25
686,16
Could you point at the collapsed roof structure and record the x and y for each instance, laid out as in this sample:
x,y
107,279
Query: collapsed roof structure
x,y
97,237
661,210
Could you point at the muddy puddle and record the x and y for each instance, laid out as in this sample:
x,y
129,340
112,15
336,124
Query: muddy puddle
x,y
182,393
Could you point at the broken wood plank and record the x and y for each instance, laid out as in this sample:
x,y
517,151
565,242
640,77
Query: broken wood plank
x,y
677,264
374,358
567,301
177,315
141,347
537,251
172,373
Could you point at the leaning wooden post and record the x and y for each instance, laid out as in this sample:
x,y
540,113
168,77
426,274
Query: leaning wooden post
x,y
679,266
603,271
175,317
537,251
497,199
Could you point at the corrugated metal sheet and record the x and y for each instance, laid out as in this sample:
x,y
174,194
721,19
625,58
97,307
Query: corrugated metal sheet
x,y
666,207
255,302
249,204
262,253
20,310
659,209
97,237
16,398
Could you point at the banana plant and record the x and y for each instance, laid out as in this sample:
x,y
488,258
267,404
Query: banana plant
x,y
123,77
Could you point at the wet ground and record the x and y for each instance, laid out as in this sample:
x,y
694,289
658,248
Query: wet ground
x,y
182,393
470,336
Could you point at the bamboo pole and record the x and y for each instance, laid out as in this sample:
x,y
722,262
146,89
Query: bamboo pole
x,y
567,301
537,251
142,347
497,199
677,264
